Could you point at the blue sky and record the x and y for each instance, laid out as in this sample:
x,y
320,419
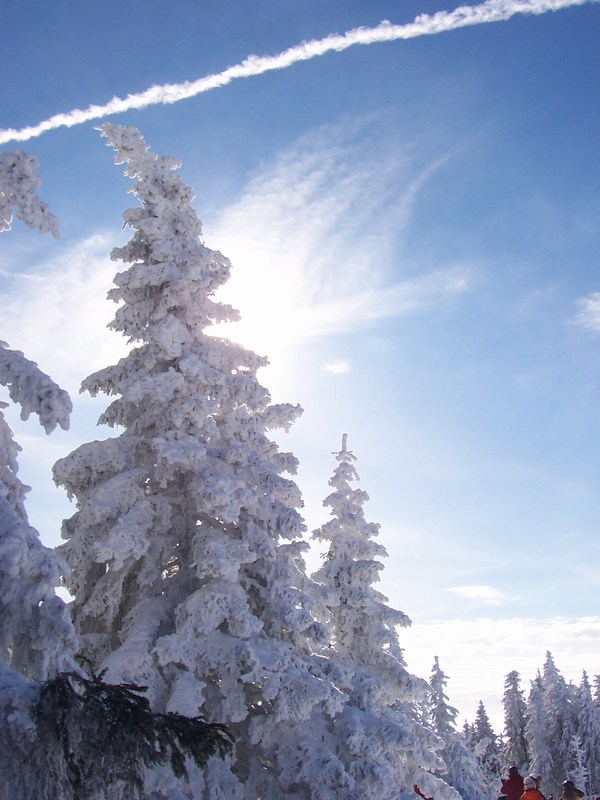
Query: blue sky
x,y
414,227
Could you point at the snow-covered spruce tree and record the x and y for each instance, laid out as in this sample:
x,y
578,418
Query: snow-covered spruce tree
x,y
485,747
538,746
588,733
185,549
596,690
559,722
514,751
461,768
578,769
381,741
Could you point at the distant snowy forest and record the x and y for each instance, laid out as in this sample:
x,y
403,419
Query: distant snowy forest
x,y
198,660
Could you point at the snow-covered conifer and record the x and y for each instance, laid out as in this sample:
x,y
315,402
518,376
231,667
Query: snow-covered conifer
x,y
559,722
442,714
514,751
185,549
538,745
461,768
361,623
588,735
596,690
382,741
485,747
578,764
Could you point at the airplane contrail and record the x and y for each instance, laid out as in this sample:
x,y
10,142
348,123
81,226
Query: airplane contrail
x,y
423,25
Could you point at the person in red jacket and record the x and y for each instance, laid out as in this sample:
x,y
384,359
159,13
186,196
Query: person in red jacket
x,y
512,787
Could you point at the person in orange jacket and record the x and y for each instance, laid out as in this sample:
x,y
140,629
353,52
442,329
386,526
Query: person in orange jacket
x,y
531,791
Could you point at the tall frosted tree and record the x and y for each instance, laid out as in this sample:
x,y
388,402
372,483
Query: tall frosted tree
x,y
514,751
382,742
461,768
185,549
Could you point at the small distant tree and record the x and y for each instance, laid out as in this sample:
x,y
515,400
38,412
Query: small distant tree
x,y
596,690
514,751
484,744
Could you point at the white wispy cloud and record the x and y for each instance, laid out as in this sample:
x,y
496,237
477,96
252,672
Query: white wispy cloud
x,y
312,240
339,367
423,25
588,315
57,312
315,240
485,595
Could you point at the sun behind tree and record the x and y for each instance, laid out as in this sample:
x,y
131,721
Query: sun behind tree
x,y
185,549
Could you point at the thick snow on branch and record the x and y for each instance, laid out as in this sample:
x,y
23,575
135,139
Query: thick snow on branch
x,y
36,633
19,182
33,390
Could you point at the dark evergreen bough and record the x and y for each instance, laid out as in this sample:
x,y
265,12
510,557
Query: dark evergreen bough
x,y
107,733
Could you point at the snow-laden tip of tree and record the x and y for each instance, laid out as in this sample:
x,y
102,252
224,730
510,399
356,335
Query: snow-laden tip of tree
x,y
19,182
185,549
381,740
